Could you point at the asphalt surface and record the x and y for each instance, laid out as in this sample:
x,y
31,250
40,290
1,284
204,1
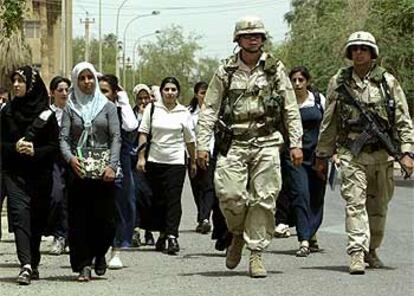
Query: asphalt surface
x,y
200,270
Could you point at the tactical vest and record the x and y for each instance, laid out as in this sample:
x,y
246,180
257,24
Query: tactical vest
x,y
270,103
350,118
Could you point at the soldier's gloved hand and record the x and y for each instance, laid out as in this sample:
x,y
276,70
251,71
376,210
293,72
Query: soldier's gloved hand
x,y
321,167
202,159
408,163
296,156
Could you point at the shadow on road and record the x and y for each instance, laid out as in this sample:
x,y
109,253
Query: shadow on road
x,y
338,268
198,255
69,278
284,252
224,273
345,269
7,241
9,265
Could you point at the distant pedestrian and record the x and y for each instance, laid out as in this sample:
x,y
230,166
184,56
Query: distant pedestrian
x,y
58,216
202,184
125,191
143,192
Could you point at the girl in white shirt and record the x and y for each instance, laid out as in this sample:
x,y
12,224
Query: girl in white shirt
x,y
171,133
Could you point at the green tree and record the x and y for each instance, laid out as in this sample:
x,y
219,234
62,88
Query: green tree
x,y
319,29
108,52
174,54
13,49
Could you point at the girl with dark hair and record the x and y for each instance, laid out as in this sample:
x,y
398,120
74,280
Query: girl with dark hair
x,y
304,189
29,142
125,192
58,216
166,130
90,120
202,183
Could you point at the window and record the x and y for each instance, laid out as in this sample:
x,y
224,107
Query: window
x,y
32,29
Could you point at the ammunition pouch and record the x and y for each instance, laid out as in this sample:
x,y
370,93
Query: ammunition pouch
x,y
223,136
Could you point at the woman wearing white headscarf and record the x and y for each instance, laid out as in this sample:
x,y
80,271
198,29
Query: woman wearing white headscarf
x,y
90,116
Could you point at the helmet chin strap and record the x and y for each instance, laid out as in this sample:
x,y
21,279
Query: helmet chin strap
x,y
250,51
236,48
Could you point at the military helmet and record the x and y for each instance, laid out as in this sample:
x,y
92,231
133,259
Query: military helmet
x,y
249,25
361,38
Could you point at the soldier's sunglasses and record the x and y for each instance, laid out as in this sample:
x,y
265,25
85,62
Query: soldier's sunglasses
x,y
251,36
359,47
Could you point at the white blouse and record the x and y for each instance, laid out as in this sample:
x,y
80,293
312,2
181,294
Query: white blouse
x,y
171,129
194,117
310,101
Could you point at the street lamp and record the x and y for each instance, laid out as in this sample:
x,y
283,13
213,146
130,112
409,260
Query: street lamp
x,y
135,48
155,12
117,33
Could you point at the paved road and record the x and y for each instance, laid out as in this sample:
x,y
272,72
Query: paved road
x,y
200,270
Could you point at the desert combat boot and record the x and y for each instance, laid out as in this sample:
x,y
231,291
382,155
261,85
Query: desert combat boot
x,y
256,268
357,265
234,252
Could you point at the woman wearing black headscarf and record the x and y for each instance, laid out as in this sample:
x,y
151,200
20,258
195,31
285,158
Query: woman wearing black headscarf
x,y
29,142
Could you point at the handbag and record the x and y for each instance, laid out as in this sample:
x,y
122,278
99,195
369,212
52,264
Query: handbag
x,y
93,160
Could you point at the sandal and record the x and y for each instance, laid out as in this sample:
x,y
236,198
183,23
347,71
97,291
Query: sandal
x,y
85,274
303,251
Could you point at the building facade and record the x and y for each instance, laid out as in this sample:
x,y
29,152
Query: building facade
x,y
45,29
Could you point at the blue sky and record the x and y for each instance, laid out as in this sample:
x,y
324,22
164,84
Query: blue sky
x,y
213,20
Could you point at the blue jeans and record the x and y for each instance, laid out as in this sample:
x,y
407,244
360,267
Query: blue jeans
x,y
306,193
125,202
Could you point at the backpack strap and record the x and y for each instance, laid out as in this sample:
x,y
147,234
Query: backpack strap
x,y
318,103
390,105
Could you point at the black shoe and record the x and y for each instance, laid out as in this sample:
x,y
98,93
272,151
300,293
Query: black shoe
x,y
224,242
85,274
160,244
198,227
35,274
173,247
149,238
205,227
100,265
136,239
25,276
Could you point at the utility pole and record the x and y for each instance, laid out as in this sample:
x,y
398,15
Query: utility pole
x,y
68,64
100,36
87,22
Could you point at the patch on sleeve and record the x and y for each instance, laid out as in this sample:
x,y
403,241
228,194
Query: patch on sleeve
x,y
45,115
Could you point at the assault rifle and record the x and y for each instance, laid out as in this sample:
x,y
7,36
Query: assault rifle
x,y
374,130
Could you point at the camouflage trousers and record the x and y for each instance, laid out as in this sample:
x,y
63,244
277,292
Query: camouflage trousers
x,y
367,189
247,182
